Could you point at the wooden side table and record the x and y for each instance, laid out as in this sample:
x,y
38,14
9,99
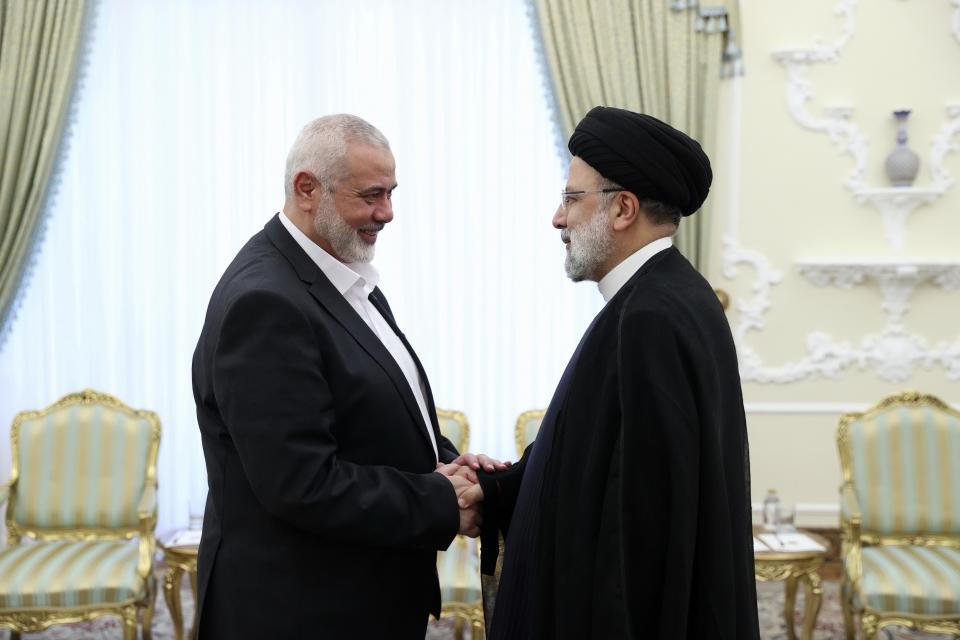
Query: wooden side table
x,y
179,560
793,567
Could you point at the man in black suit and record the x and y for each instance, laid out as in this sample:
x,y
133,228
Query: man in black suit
x,y
327,503
629,516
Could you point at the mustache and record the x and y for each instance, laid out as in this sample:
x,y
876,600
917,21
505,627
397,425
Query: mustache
x,y
372,228
565,235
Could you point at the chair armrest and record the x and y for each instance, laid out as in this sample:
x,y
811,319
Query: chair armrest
x,y
146,548
5,491
147,512
850,519
849,506
148,502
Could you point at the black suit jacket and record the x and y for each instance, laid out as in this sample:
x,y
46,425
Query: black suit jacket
x,y
322,506
644,515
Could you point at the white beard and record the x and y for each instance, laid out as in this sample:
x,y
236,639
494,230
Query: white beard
x,y
590,245
344,239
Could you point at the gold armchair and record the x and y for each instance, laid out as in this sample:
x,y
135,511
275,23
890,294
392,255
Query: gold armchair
x,y
525,432
900,515
83,485
459,565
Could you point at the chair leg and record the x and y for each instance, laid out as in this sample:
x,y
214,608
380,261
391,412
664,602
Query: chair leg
x,y
477,630
171,593
196,612
868,626
846,603
789,604
14,635
130,623
458,625
813,600
147,625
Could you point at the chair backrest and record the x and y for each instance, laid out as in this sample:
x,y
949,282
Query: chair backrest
x,y
901,458
454,426
81,465
528,424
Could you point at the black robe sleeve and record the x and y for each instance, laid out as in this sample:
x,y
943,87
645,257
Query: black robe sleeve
x,y
500,491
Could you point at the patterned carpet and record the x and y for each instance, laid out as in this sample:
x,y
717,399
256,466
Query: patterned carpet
x,y
770,605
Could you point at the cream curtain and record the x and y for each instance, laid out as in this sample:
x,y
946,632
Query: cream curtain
x,y
660,57
39,47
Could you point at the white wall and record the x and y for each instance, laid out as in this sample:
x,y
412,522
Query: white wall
x,y
781,198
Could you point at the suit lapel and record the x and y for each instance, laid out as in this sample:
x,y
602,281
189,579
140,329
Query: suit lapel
x,y
380,302
337,306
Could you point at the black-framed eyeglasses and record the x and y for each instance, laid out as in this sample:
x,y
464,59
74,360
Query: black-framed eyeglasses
x,y
567,197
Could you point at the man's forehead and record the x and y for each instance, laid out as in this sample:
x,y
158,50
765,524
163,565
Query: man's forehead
x,y
367,163
580,173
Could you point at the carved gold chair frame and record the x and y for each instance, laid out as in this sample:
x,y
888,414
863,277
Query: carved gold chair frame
x,y
458,417
38,619
854,537
519,435
463,613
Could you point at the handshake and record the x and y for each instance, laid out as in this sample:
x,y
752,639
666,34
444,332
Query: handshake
x,y
462,474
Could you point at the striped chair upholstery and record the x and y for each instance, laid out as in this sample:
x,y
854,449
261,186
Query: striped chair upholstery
x,y
459,566
525,432
81,466
905,472
69,574
83,491
912,579
900,514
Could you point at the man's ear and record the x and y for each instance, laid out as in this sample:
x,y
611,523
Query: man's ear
x,y
628,210
306,190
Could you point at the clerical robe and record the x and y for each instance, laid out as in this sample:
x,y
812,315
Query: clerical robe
x,y
635,522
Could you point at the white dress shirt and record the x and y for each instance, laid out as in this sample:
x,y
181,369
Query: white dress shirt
x,y
355,282
618,276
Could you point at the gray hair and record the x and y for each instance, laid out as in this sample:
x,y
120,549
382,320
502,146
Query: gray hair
x,y
657,212
322,146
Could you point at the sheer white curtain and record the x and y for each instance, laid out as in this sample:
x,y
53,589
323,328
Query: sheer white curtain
x,y
176,158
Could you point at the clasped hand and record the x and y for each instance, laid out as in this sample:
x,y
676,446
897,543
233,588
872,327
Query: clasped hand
x,y
462,473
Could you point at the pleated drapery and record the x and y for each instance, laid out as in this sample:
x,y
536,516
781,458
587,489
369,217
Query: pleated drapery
x,y
40,41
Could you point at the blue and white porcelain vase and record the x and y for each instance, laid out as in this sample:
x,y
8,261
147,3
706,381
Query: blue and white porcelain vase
x,y
902,164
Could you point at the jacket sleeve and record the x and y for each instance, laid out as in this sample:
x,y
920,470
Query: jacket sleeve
x,y
659,490
446,452
272,395
500,491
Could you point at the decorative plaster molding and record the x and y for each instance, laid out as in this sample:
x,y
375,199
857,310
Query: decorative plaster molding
x,y
947,140
821,52
823,357
897,280
751,310
836,121
895,205
893,354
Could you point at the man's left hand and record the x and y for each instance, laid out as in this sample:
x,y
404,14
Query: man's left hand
x,y
475,462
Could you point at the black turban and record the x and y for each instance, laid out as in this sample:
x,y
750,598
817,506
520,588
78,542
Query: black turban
x,y
645,156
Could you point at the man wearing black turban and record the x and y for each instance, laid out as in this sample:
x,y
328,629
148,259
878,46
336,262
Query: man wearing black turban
x,y
630,515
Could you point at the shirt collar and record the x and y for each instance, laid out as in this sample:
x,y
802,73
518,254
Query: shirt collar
x,y
618,276
343,276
